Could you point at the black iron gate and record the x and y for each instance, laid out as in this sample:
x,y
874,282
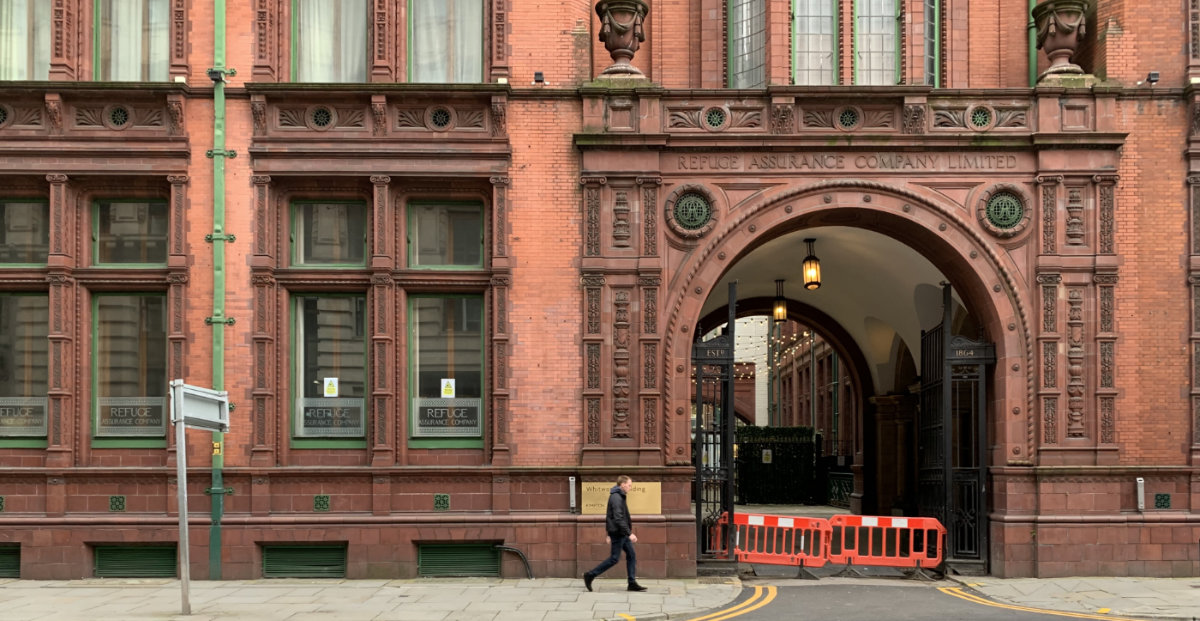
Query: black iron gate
x,y
952,465
712,436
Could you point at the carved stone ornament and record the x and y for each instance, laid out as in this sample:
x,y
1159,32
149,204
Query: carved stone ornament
x,y
621,32
1061,26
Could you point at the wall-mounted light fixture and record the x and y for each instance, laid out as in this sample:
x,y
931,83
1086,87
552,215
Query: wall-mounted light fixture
x,y
812,268
779,309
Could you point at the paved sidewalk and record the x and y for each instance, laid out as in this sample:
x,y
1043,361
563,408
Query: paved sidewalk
x,y
1151,598
466,599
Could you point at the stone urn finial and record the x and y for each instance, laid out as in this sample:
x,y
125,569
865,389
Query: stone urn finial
x,y
621,32
1061,26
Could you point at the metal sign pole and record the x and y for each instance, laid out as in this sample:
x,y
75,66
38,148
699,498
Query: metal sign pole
x,y
181,483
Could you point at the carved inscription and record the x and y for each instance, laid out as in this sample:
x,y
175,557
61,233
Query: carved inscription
x,y
815,161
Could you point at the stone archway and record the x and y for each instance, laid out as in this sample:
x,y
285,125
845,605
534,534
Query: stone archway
x,y
988,282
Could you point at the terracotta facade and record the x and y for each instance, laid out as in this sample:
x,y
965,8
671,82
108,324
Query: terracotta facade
x,y
594,281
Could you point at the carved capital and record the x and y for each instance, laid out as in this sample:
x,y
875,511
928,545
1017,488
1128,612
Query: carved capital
x,y
914,119
1194,279
593,180
1049,279
59,279
648,180
1109,278
260,179
258,109
177,278
499,181
1048,179
501,281
54,111
56,178
262,280
1113,179
380,179
592,280
649,281
177,179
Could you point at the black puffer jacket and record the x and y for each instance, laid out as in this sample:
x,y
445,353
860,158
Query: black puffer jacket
x,y
617,520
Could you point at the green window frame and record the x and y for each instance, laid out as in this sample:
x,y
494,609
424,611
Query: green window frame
x,y
329,342
131,40
24,232
446,41
129,370
24,40
445,235
129,233
329,41
24,369
329,233
933,43
876,55
747,43
447,336
815,32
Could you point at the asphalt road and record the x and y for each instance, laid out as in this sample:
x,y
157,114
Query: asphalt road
x,y
868,599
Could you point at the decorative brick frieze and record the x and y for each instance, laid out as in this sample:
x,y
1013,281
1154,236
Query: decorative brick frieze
x,y
1049,420
591,214
1075,358
1049,186
649,212
1074,224
1106,185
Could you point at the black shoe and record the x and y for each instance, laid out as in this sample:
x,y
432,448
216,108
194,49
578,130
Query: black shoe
x,y
633,586
587,581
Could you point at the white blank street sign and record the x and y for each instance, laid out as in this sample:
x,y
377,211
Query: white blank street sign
x,y
201,408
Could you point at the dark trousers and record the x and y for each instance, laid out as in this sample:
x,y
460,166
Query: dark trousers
x,y
618,544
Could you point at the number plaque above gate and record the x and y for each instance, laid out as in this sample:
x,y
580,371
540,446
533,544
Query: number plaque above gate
x,y
962,349
716,350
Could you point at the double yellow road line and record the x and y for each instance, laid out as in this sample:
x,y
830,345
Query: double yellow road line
x,y
762,596
958,592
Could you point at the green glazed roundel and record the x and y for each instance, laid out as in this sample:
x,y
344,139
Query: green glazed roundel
x,y
692,211
1005,210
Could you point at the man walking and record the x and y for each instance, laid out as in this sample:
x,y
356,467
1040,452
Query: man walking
x,y
620,536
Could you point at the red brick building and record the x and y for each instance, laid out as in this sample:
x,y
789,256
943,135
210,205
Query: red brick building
x,y
449,259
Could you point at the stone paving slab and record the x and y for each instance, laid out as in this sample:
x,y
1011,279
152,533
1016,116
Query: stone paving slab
x,y
1156,598
468,599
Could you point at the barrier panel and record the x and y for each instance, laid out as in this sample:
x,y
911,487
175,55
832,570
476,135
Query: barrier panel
x,y
781,540
886,541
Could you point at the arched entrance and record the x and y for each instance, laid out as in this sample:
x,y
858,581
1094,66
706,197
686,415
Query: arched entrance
x,y
900,230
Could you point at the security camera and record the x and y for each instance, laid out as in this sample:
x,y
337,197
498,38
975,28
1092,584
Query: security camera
x,y
1152,77
216,75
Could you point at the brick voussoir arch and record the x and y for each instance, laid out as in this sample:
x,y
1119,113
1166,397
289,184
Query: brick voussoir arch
x,y
929,213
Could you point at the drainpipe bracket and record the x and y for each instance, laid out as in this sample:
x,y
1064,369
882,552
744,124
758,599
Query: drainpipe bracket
x,y
210,238
211,153
229,321
219,490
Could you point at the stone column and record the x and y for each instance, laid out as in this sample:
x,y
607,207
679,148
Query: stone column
x,y
63,301
264,342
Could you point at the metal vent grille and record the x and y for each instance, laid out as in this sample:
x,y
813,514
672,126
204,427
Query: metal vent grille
x,y
10,561
304,561
134,561
435,559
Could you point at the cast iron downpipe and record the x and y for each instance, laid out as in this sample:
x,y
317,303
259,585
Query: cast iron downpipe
x,y
1032,46
218,319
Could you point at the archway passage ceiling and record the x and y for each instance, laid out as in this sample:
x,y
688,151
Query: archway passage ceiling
x,y
877,288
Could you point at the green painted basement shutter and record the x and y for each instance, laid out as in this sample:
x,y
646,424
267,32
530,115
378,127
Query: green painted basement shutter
x,y
135,562
10,562
295,561
458,560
